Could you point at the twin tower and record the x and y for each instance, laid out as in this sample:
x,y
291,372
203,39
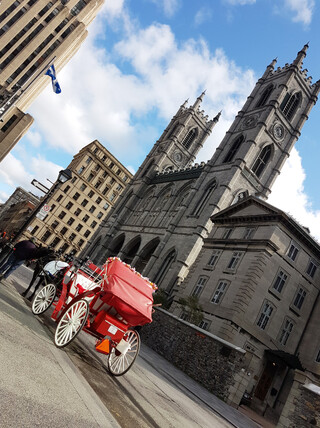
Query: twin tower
x,y
160,222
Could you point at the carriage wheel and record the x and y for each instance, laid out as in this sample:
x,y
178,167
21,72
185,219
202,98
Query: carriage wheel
x,y
71,323
119,363
43,299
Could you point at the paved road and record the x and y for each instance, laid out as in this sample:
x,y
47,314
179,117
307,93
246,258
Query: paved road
x,y
152,394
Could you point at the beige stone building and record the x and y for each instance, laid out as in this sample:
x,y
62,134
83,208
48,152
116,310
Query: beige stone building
x,y
18,195
33,34
78,206
257,281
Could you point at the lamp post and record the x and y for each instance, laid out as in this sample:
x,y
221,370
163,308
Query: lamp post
x,y
64,175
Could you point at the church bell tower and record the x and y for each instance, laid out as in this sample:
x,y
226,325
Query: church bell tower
x,y
265,130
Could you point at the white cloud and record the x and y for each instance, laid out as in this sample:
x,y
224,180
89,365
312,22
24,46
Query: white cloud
x,y
203,15
240,2
302,9
169,7
289,195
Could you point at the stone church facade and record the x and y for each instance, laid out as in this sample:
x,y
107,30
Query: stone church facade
x,y
164,215
206,231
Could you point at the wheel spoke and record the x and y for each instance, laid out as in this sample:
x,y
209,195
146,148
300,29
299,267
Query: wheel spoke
x,y
71,323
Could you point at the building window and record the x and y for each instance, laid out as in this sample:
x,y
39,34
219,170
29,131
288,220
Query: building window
x,y
112,197
66,189
248,233
236,256
64,230
70,221
73,181
265,95
189,138
81,242
119,188
34,230
85,218
299,298
69,205
218,294
104,157
72,236
311,270
98,200
106,206
112,180
105,174
285,331
64,248
9,123
265,315
204,198
46,236
125,178
293,252
89,159
318,357
91,194
92,209
97,167
290,104
204,324
54,224
280,281
55,242
98,184
59,198
76,196
100,215
77,212
81,169
262,160
233,149
62,214
87,233
199,286
83,187
214,257
79,227
84,202
227,233
93,224
111,165
52,207
90,177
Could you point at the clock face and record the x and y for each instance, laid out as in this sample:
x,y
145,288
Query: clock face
x,y
278,131
177,156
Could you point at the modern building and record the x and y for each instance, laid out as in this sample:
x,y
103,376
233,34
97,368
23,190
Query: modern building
x,y
77,207
33,34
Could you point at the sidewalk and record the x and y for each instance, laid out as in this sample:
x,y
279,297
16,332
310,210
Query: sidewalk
x,y
184,382
35,396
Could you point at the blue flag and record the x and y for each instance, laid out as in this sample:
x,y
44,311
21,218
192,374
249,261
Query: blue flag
x,y
52,73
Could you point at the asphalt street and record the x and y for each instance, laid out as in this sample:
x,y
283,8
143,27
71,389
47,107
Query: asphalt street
x,y
45,386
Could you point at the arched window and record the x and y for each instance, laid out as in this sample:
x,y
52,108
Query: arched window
x,y
131,250
262,160
204,198
265,95
165,266
146,254
115,246
189,138
234,148
290,104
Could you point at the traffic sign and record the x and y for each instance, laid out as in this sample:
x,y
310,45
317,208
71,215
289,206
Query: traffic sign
x,y
40,186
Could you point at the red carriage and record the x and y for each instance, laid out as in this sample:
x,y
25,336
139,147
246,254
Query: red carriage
x,y
106,303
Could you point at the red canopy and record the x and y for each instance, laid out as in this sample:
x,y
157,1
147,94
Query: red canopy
x,y
128,292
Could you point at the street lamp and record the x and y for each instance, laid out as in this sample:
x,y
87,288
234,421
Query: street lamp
x,y
64,175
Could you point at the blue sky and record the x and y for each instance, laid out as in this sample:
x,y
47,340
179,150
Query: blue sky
x,y
143,58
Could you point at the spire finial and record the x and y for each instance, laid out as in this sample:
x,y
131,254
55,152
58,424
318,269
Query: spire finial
x,y
301,55
199,100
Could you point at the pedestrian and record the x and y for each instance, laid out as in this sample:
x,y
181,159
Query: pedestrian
x,y
22,251
44,256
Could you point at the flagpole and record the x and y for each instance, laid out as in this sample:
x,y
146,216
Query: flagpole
x,y
7,105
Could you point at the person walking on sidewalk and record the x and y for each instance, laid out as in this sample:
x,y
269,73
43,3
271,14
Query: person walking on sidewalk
x,y
23,250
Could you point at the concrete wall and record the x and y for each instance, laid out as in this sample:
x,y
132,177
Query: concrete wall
x,y
213,362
